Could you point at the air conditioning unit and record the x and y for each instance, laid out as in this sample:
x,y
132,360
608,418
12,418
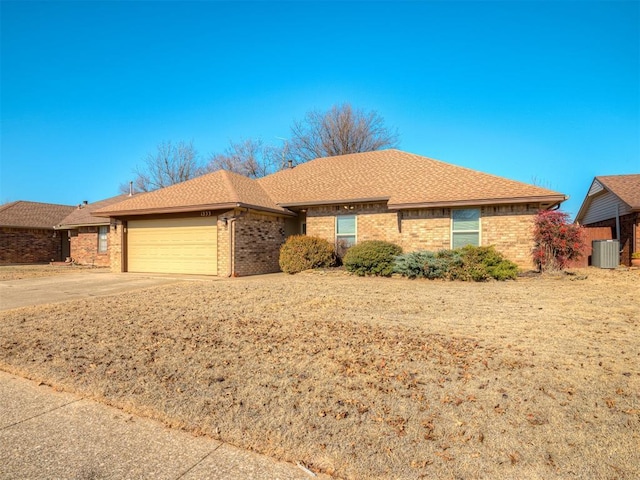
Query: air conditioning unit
x,y
605,254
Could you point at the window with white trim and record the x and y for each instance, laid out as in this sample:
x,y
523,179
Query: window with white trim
x,y
345,232
103,233
465,227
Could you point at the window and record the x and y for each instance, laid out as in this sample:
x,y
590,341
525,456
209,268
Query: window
x,y
345,232
465,227
102,239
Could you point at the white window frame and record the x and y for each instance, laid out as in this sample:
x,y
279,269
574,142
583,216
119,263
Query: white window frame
x,y
478,231
103,230
355,228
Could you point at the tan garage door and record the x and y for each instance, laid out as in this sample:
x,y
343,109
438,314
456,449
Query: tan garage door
x,y
177,245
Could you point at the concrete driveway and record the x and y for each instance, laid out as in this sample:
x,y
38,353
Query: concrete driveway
x,y
71,286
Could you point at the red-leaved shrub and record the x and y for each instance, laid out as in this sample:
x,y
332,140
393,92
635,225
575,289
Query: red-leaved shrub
x,y
557,241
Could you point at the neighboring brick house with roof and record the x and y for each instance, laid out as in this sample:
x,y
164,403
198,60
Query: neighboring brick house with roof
x,y
27,234
226,224
89,236
613,201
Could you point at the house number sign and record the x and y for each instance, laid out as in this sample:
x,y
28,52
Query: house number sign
x,y
205,213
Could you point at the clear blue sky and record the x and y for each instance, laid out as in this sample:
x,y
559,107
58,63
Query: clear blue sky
x,y
534,91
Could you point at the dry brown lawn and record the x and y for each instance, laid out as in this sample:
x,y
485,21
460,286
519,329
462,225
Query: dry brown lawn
x,y
366,377
20,272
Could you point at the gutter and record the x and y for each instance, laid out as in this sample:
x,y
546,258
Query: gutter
x,y
556,200
73,227
190,208
335,202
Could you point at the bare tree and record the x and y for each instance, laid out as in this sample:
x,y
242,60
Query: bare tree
x,y
251,158
171,163
340,130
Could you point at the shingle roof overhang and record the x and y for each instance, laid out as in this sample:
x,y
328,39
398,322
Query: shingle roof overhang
x,y
73,226
191,208
551,200
317,203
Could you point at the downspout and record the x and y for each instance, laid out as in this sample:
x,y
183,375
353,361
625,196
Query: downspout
x,y
618,222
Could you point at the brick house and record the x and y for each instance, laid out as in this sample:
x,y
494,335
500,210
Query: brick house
x,y
89,235
226,224
613,203
27,234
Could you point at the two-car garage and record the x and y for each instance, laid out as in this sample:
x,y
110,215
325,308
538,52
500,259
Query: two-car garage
x,y
173,245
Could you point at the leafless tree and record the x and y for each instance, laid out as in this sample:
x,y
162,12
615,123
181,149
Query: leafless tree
x,y
171,163
338,131
251,158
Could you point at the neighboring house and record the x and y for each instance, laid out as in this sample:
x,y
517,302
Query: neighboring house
x,y
89,235
27,234
613,202
226,224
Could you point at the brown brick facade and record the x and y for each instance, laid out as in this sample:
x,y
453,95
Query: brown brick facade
x,y
508,227
116,241
257,241
252,240
84,247
30,245
629,232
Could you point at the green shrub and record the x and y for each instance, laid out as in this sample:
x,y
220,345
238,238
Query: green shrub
x,y
412,264
372,257
301,252
468,263
481,263
425,264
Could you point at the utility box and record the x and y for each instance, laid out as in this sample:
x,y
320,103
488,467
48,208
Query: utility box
x,y
606,253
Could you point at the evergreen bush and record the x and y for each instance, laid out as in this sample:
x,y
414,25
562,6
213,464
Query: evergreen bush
x,y
468,263
302,252
371,257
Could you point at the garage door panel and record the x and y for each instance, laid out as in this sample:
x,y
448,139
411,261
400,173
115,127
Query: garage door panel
x,y
182,245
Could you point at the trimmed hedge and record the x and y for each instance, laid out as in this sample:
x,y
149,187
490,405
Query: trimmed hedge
x,y
301,252
371,257
467,263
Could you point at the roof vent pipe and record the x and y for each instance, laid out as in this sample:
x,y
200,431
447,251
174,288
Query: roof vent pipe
x,y
131,189
85,202
290,162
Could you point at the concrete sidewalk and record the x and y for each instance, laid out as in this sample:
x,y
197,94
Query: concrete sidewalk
x,y
46,434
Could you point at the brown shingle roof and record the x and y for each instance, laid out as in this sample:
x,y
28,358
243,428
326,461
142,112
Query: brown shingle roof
x,y
403,178
83,214
625,187
217,190
23,214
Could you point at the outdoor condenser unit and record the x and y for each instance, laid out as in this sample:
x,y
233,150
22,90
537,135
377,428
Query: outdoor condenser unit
x,y
606,253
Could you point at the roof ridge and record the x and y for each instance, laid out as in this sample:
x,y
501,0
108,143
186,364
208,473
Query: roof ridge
x,y
226,174
8,205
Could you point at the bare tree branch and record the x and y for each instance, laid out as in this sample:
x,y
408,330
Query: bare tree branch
x,y
250,158
170,164
339,131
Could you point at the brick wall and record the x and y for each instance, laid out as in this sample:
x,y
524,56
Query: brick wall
x,y
257,242
84,247
508,227
22,245
224,242
628,223
115,242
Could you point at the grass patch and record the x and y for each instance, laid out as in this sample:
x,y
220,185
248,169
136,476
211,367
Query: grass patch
x,y
21,272
365,377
